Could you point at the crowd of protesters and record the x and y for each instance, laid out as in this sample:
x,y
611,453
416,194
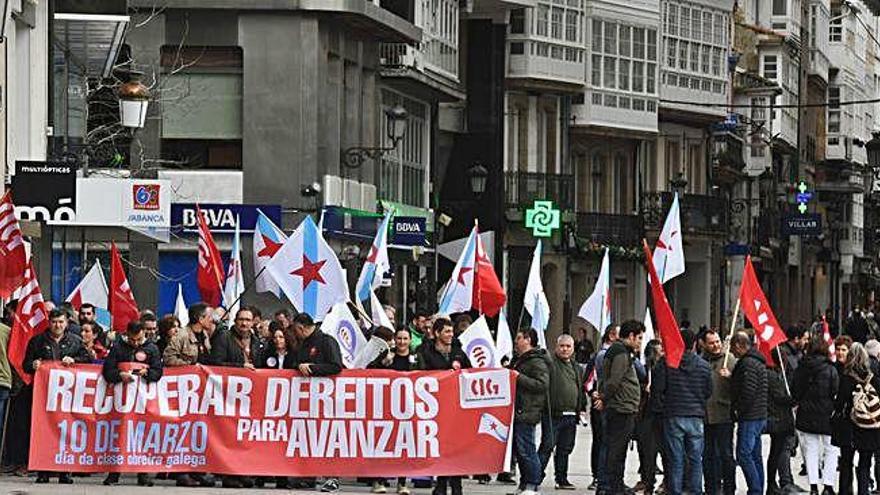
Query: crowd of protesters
x,y
702,420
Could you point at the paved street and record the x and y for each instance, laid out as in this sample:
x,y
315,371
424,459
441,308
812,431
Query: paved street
x,y
579,475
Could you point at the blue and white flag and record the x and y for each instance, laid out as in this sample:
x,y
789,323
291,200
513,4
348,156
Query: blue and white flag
x,y
268,239
308,271
376,264
458,295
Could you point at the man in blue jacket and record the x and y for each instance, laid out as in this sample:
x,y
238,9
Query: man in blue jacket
x,y
683,393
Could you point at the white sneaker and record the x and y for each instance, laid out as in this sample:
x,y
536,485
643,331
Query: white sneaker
x,y
378,487
528,492
402,490
330,486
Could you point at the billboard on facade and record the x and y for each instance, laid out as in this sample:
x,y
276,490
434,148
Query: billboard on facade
x,y
44,191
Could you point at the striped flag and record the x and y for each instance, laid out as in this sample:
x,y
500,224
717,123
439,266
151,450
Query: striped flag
x,y
13,259
31,318
211,273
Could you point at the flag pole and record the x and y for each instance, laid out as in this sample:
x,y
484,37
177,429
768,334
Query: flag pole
x,y
237,299
730,334
782,366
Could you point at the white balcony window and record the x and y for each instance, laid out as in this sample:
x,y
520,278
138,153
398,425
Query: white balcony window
x,y
780,7
542,20
404,173
769,67
835,32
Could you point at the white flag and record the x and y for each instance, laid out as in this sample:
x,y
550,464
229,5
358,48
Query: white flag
x,y
503,340
492,426
342,326
649,332
477,342
669,253
535,300
180,310
380,317
92,289
597,308
234,286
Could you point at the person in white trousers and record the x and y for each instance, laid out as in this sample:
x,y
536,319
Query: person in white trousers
x,y
814,387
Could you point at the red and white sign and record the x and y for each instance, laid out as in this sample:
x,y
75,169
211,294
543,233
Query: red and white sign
x,y
362,423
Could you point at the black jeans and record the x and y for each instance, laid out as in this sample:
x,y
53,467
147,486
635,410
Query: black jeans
x,y
650,443
559,434
453,482
779,460
618,430
598,426
863,472
719,467
845,470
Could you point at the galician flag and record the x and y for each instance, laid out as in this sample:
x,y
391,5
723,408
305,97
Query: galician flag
x,y
376,264
308,271
459,293
535,299
234,286
268,239
669,253
92,289
597,308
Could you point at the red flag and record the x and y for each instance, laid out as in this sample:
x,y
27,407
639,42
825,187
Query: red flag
x,y
123,308
670,335
488,295
826,334
13,260
211,272
757,310
31,318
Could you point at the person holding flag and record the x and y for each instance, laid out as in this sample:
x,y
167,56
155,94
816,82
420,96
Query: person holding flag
x,y
749,406
620,395
55,344
684,392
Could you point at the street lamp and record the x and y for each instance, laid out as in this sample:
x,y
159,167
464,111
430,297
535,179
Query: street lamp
x,y
134,98
678,183
479,175
395,127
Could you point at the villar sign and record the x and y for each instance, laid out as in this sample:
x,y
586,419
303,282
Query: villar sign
x,y
803,225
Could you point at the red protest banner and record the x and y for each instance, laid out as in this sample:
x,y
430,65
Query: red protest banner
x,y
273,422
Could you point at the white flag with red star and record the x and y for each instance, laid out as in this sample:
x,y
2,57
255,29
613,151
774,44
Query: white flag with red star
x,y
268,239
669,253
308,271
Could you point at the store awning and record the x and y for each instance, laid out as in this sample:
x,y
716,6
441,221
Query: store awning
x,y
89,43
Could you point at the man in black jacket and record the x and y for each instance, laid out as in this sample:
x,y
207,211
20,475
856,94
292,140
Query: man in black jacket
x,y
140,359
749,405
55,344
238,346
683,391
318,355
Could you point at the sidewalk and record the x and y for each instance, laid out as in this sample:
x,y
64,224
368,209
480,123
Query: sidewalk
x,y
579,474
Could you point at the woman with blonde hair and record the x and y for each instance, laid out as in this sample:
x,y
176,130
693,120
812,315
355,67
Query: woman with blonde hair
x,y
856,383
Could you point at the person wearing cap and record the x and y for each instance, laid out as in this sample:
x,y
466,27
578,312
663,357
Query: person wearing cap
x,y
318,355
130,359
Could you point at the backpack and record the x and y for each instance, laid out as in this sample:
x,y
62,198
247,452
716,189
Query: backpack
x,y
865,411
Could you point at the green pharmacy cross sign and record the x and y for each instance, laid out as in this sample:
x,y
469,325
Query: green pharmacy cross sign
x,y
542,218
803,197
